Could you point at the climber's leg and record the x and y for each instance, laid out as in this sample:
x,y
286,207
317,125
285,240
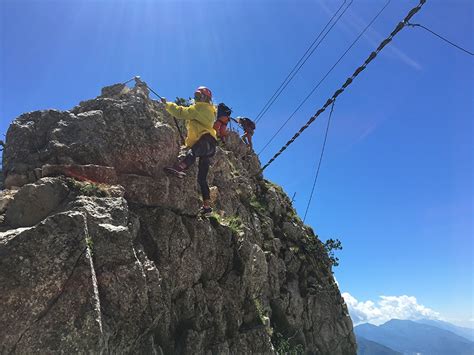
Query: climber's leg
x,y
249,139
178,169
203,170
188,160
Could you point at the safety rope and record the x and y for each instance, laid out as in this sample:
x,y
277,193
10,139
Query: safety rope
x,y
439,36
134,78
174,118
301,62
324,78
320,160
349,80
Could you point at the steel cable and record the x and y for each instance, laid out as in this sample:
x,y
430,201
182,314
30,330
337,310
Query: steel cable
x,y
298,66
324,78
439,36
320,160
349,80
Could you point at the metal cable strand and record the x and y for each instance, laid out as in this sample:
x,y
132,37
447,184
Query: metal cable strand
x,y
349,80
305,60
439,36
174,118
257,118
126,82
320,160
324,78
153,91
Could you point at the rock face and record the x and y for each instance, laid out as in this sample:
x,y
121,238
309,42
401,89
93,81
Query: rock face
x,y
100,252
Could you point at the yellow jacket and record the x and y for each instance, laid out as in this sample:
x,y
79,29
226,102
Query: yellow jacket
x,y
199,119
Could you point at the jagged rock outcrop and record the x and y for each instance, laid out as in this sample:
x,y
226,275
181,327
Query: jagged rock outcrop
x,y
100,252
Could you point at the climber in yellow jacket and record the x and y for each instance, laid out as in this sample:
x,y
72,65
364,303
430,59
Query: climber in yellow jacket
x,y
201,139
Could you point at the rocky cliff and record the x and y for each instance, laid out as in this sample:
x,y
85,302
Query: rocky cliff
x,y
100,252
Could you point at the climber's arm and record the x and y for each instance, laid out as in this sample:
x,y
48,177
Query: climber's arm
x,y
181,112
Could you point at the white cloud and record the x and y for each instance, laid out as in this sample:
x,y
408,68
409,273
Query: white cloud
x,y
386,308
465,323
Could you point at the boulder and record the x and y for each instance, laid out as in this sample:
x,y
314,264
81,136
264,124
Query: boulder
x,y
114,90
14,181
6,197
47,287
34,202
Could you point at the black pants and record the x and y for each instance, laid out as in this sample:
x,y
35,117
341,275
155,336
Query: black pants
x,y
204,149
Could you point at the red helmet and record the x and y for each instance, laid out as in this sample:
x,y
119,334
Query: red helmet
x,y
203,92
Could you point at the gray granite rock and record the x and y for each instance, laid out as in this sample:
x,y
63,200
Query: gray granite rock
x,y
90,267
36,201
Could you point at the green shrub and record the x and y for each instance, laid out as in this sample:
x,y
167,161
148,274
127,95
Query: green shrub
x,y
181,101
260,310
263,316
87,188
270,184
91,189
284,347
90,245
258,205
233,222
331,245
325,250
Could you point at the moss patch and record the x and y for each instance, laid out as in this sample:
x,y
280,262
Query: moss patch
x,y
90,245
232,222
283,346
258,205
88,188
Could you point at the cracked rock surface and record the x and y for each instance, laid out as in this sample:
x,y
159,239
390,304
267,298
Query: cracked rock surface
x,y
100,252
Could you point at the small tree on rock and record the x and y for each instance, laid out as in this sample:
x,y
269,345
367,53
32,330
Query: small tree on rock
x,y
331,245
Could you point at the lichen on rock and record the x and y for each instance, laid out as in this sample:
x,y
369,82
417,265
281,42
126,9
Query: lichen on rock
x,y
101,252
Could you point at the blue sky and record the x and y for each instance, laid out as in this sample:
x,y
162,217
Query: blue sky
x,y
396,181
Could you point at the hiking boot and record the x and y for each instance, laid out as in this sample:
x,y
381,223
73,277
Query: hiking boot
x,y
205,211
175,171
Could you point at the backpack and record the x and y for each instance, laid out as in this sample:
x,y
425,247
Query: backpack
x,y
247,123
223,110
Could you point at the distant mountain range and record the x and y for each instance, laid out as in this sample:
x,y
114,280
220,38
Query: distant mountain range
x,y
425,337
368,347
467,333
